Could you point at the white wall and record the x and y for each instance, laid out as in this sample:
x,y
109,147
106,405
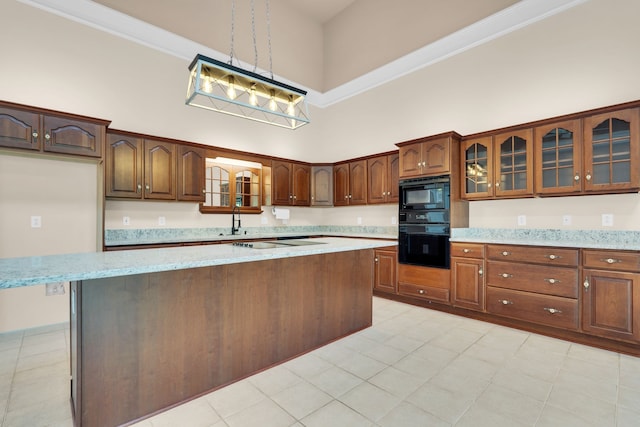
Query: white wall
x,y
64,194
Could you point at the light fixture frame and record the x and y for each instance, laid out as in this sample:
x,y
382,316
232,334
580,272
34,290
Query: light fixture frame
x,y
256,97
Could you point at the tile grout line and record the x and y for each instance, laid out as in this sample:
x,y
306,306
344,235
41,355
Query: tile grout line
x,y
15,368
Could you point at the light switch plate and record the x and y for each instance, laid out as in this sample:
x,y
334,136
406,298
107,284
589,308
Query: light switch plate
x,y
607,220
522,220
126,220
566,219
162,220
36,221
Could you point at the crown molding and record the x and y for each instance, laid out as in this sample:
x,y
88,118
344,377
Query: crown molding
x,y
517,16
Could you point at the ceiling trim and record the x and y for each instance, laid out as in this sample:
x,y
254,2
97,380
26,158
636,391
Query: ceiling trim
x,y
517,16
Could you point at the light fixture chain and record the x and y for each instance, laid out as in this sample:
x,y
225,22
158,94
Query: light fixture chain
x,y
233,15
253,31
269,38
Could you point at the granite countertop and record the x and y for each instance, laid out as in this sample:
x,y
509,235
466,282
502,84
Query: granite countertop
x,y
592,239
27,271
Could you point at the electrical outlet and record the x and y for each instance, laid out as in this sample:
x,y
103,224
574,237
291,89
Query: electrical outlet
x,y
607,220
359,220
394,220
126,220
56,288
36,221
566,219
263,220
522,220
162,220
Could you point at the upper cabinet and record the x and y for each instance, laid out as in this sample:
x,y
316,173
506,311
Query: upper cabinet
x,y
425,156
138,168
291,183
558,158
231,185
37,130
382,184
612,151
191,173
322,186
350,183
498,166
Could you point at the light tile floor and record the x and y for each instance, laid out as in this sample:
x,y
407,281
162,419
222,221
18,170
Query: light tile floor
x,y
414,367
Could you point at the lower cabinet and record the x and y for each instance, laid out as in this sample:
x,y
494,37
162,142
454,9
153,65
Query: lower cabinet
x,y
611,294
534,284
385,274
467,275
428,283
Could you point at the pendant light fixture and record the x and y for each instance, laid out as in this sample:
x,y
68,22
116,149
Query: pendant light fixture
x,y
229,89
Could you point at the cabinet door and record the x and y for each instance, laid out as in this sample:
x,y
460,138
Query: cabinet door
x,y
411,160
513,173
610,304
301,183
341,184
377,180
385,277
467,277
73,137
123,167
322,186
393,174
612,151
19,129
159,170
558,158
281,188
358,183
477,164
435,157
191,169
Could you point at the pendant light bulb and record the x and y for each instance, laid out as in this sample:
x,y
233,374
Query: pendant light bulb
x,y
253,98
290,108
231,90
272,102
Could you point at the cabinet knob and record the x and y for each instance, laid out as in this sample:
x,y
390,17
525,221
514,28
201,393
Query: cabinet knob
x,y
576,177
586,285
480,272
610,260
505,301
552,310
35,136
421,291
552,281
552,256
139,188
466,250
375,259
506,275
349,195
47,137
204,191
588,176
488,185
497,184
147,187
506,253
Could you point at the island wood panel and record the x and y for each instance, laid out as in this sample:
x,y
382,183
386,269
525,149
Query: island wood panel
x,y
150,341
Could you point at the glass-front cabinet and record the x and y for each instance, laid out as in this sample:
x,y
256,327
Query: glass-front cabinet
x,y
228,186
498,166
558,158
612,151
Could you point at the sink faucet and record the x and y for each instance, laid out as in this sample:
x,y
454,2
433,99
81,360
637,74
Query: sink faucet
x,y
235,229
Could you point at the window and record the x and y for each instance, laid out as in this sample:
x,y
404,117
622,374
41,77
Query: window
x,y
228,185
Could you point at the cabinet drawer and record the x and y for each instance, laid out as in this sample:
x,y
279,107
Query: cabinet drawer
x,y
611,260
559,281
467,250
426,292
543,309
430,277
534,254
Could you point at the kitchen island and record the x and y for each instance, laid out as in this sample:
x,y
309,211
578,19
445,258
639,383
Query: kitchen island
x,y
153,328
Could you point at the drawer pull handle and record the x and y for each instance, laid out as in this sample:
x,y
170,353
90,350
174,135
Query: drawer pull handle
x,y
552,310
610,260
586,285
552,256
480,272
466,251
421,291
506,253
505,301
506,275
552,281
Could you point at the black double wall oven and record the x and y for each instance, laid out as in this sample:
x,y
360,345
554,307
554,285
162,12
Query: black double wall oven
x,y
424,222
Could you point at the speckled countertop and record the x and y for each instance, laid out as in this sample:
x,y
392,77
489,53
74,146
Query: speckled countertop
x,y
596,239
27,271
149,236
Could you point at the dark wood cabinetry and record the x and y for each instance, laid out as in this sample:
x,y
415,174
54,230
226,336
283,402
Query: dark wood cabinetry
x,y
350,183
43,131
430,284
535,284
467,275
498,166
385,275
191,172
611,294
291,183
138,168
382,179
558,158
425,156
322,186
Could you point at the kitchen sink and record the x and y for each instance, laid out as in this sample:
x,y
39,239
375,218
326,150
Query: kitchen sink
x,y
271,244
